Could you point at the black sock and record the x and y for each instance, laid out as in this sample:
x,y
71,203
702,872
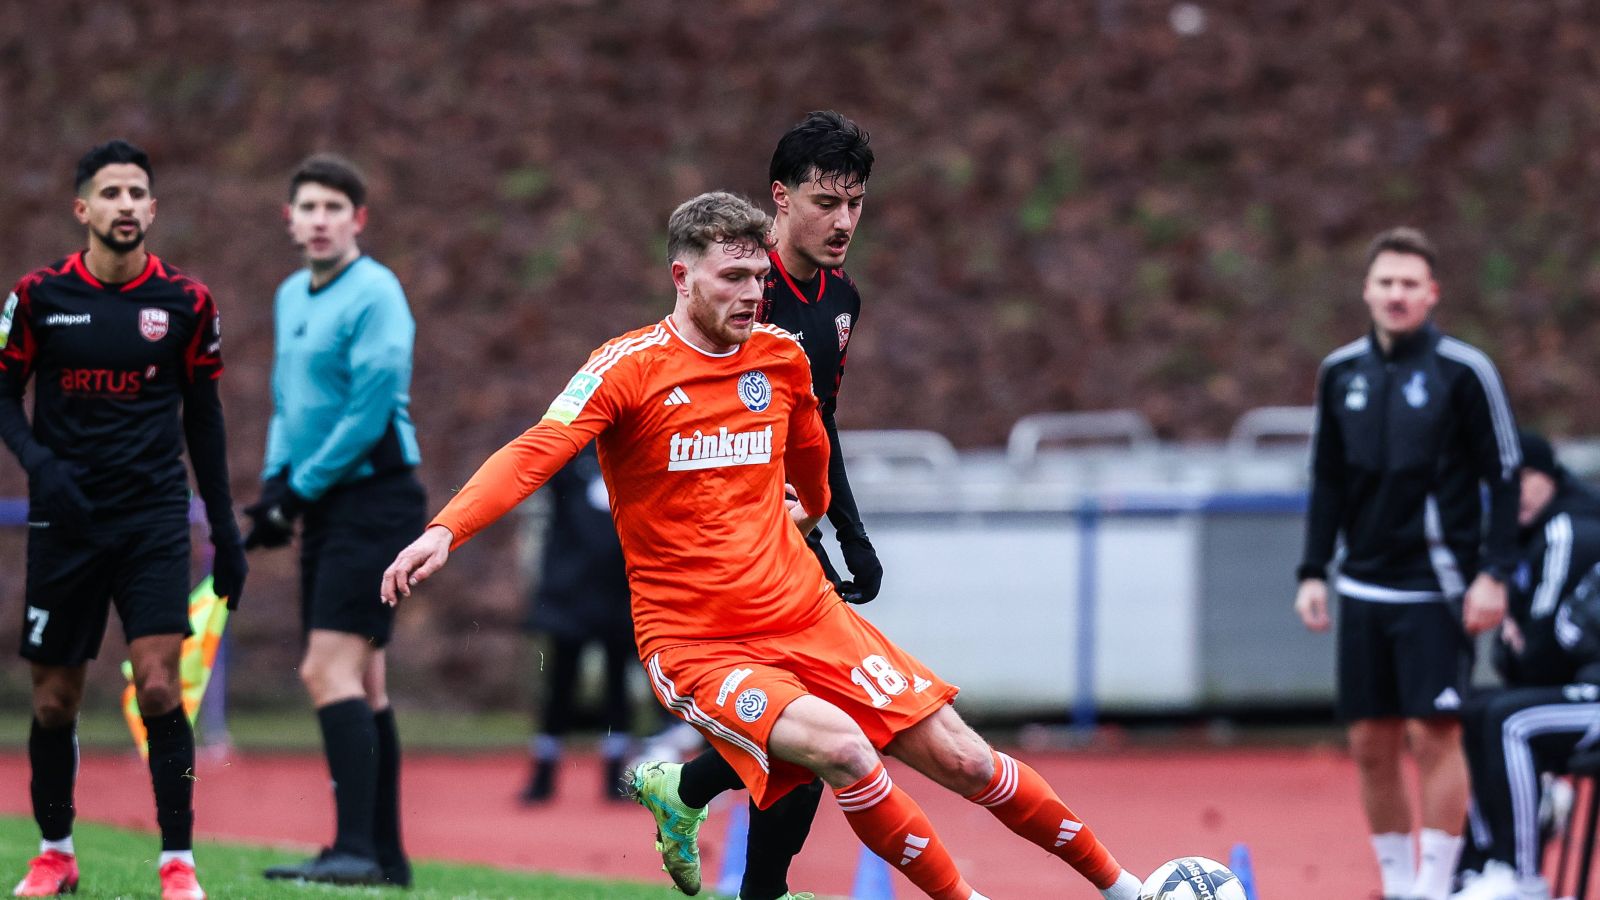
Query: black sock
x,y
704,777
350,738
776,835
53,755
172,774
386,809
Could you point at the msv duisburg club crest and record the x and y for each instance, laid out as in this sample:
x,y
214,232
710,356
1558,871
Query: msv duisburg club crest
x,y
755,390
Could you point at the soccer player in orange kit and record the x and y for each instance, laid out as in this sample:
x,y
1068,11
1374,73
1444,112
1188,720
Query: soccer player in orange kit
x,y
701,419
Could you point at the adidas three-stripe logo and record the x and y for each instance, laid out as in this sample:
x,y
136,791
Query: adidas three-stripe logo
x,y
1069,830
676,398
914,847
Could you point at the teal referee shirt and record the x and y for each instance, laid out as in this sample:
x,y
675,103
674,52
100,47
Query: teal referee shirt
x,y
341,378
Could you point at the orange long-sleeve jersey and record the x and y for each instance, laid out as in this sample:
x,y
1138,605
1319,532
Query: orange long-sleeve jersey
x,y
695,449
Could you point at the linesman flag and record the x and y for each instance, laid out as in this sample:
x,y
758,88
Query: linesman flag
x,y
208,615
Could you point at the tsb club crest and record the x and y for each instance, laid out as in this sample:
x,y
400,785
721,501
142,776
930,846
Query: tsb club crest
x,y
153,323
842,323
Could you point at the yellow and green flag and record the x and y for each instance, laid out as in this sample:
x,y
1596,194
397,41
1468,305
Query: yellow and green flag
x,y
208,615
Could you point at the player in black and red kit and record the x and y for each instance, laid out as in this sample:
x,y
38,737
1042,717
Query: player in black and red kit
x,y
818,176
819,181
124,351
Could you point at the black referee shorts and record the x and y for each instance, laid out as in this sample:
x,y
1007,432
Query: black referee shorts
x,y
74,578
1407,660
351,535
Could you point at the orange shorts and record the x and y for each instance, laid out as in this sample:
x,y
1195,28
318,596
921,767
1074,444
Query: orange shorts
x,y
734,691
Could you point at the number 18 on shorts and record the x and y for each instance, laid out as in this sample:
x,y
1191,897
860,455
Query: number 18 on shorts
x,y
735,692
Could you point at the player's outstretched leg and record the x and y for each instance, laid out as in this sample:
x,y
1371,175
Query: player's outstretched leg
x,y
821,737
946,749
1025,802
893,826
655,787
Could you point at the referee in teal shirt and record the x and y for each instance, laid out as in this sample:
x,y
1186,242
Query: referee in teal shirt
x,y
341,455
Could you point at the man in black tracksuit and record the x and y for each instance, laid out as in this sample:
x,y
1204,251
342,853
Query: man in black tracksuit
x,y
818,177
1549,706
1411,426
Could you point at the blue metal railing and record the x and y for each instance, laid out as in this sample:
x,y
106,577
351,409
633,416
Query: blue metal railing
x,y
1089,513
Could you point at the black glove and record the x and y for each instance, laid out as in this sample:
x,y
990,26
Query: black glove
x,y
272,517
228,565
866,573
62,503
814,541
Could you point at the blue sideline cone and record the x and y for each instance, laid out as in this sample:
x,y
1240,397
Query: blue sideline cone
x,y
874,878
1239,862
732,874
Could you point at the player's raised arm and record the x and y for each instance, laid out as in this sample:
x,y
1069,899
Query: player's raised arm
x,y
585,408
504,480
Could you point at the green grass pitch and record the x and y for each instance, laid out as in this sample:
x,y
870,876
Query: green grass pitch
x,y
118,863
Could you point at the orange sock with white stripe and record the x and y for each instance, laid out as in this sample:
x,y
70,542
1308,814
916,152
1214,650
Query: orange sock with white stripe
x,y
1025,802
893,826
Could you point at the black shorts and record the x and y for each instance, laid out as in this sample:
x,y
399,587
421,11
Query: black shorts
x,y
351,535
1410,660
73,579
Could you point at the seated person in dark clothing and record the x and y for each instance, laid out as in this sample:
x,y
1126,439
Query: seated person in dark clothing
x,y
1547,654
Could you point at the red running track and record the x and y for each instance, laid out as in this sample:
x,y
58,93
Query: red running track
x,y
1295,809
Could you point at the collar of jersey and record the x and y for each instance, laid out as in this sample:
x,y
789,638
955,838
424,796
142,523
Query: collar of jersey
x,y
690,344
1405,346
313,291
152,266
822,278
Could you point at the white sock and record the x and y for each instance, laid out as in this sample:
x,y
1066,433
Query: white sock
x,y
976,896
1396,862
62,846
1437,852
1126,888
170,855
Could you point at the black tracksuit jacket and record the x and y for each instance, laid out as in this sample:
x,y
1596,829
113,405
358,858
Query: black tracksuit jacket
x,y
1408,446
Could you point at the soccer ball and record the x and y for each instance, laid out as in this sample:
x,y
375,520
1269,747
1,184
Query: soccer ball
x,y
1192,878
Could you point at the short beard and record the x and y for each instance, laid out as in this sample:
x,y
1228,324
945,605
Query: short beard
x,y
121,247
714,329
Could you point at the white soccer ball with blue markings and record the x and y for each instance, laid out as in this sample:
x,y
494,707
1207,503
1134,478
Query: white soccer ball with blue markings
x,y
1192,878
